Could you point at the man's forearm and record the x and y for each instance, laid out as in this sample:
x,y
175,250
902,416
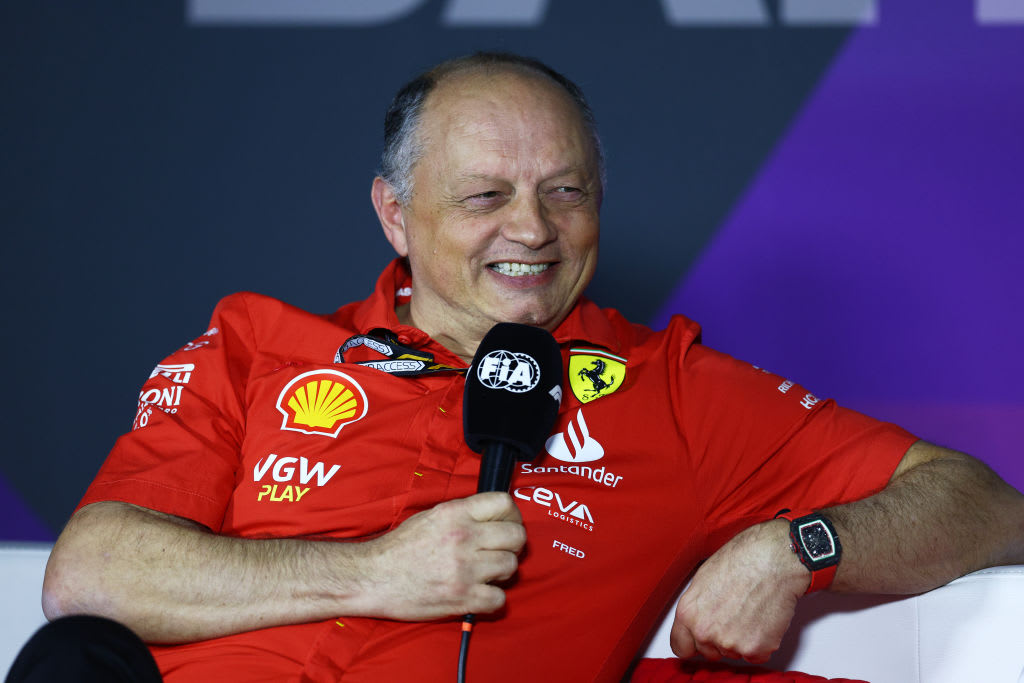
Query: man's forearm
x,y
943,515
172,581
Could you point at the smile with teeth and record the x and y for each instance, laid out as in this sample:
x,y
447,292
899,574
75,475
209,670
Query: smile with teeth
x,y
518,269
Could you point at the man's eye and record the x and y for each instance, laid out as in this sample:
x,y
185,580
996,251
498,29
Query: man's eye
x,y
484,200
567,192
483,197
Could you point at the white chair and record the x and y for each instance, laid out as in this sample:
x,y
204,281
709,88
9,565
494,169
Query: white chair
x,y
968,631
21,589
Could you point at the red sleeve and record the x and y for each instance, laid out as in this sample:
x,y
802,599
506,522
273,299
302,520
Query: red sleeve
x,y
182,453
760,443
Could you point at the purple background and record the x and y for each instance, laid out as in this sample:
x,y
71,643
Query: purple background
x,y
877,256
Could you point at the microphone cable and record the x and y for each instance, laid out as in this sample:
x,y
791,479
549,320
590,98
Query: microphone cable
x,y
467,631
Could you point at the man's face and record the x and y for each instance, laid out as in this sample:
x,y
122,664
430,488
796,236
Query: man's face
x,y
503,221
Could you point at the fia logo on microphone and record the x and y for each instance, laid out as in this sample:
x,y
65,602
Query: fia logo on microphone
x,y
515,372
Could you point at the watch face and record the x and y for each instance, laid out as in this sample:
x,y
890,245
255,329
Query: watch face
x,y
817,540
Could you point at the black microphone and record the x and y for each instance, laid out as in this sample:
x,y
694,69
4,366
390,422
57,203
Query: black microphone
x,y
513,392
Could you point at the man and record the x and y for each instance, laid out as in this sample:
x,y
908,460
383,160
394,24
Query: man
x,y
307,512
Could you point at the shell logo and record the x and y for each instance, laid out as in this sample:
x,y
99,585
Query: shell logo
x,y
321,402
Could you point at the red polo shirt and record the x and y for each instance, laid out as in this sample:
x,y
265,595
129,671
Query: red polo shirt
x,y
663,450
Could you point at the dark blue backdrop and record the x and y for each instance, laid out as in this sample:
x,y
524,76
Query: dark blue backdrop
x,y
830,187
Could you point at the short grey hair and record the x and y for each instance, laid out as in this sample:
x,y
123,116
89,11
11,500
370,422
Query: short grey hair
x,y
402,146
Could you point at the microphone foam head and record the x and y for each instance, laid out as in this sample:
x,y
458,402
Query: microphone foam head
x,y
513,389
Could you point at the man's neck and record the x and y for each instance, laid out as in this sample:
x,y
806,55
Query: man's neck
x,y
463,348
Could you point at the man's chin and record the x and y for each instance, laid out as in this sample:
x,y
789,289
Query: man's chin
x,y
535,316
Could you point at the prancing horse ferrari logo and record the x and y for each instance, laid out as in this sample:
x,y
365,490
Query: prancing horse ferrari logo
x,y
594,373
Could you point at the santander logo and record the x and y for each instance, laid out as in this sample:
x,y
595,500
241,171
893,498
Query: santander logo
x,y
576,444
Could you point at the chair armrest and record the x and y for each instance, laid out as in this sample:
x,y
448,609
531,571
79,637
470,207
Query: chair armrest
x,y
971,629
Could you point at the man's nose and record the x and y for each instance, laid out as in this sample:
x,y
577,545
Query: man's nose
x,y
529,224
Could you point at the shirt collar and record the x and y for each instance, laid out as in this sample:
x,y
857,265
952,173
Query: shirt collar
x,y
586,322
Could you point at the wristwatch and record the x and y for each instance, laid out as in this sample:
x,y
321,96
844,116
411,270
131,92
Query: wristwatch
x,y
815,541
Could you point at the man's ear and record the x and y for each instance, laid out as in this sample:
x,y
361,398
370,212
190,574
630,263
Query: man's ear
x,y
389,211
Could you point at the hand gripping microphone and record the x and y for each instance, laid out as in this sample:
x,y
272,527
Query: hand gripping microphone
x,y
513,391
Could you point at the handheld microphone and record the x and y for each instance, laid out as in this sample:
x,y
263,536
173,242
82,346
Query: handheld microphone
x,y
510,403
513,392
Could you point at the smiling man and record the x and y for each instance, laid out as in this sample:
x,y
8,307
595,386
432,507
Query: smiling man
x,y
306,510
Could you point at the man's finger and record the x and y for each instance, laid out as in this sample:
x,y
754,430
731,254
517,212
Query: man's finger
x,y
485,599
710,652
508,536
683,644
493,506
496,565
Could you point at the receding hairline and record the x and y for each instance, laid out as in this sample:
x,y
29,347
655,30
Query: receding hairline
x,y
469,66
403,129
449,79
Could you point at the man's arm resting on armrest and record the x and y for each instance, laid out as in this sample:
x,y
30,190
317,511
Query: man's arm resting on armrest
x,y
942,515
172,580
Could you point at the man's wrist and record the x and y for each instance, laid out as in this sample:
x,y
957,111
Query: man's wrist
x,y
789,564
